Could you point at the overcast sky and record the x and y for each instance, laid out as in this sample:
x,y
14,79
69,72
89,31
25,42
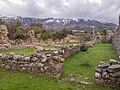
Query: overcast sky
x,y
105,10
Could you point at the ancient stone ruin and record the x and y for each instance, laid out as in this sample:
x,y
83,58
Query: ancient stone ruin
x,y
108,74
4,40
31,37
96,37
72,38
109,36
116,42
116,39
3,34
48,62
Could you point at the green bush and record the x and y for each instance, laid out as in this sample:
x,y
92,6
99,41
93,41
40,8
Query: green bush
x,y
103,32
84,47
44,36
37,31
19,33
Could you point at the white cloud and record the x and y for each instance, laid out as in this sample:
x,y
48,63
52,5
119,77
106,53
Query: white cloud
x,y
95,1
107,10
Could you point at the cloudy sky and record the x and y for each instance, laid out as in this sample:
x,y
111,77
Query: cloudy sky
x,y
105,10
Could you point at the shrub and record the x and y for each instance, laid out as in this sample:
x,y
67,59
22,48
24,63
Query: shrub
x,y
44,36
19,33
84,47
37,31
103,32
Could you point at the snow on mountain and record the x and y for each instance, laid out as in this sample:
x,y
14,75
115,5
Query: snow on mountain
x,y
61,23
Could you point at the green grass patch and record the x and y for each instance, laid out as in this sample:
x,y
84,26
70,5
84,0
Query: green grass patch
x,y
69,43
80,64
13,80
26,51
49,46
83,63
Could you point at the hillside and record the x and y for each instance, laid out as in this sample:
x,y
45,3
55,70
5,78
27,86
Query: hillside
x,y
61,23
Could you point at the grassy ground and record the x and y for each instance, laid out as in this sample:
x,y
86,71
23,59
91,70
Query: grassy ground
x,y
69,43
80,64
13,80
48,47
26,51
29,51
84,63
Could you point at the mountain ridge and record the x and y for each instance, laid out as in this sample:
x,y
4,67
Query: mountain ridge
x,y
61,23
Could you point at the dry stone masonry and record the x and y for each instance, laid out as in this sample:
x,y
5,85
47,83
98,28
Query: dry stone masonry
x,y
69,50
116,41
48,62
108,73
4,40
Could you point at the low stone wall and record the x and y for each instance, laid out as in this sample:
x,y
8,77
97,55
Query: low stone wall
x,y
108,73
48,62
70,50
116,42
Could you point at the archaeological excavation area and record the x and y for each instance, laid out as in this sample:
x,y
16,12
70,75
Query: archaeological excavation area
x,y
75,61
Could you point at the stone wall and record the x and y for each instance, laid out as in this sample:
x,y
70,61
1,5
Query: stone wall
x,y
69,50
108,74
48,62
116,41
93,37
97,37
4,40
72,38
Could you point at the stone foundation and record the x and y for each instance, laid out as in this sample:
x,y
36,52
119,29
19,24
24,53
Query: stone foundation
x,y
48,62
108,74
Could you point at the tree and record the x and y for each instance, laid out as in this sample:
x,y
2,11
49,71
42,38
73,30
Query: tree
x,y
44,36
15,30
18,30
60,34
18,24
19,33
37,27
11,25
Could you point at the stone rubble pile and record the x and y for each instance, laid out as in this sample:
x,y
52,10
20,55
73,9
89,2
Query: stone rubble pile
x,y
108,73
48,62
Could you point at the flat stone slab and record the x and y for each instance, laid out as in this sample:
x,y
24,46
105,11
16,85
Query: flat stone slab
x,y
105,65
113,68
